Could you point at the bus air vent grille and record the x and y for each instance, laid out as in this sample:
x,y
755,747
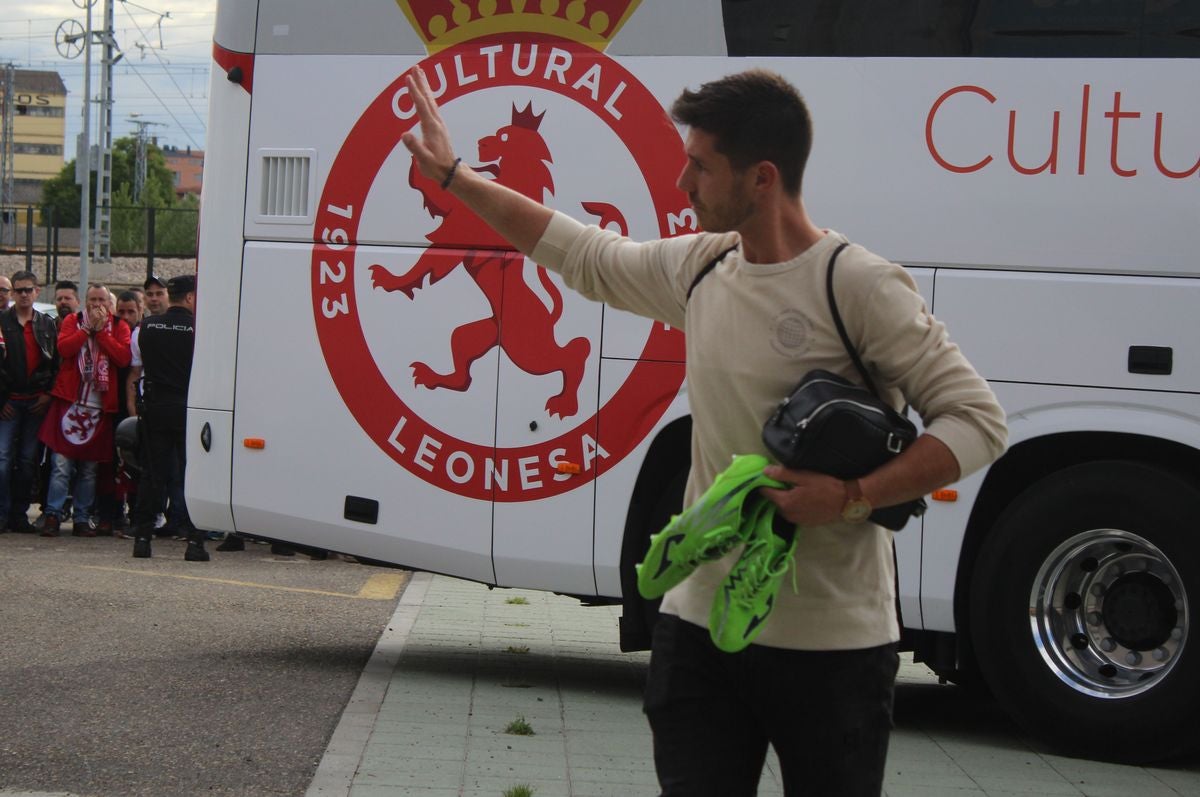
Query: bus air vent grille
x,y
286,186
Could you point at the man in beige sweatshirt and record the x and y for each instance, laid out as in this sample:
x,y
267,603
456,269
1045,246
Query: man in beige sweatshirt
x,y
817,683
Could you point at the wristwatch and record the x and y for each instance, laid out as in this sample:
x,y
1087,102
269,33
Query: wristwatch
x,y
857,508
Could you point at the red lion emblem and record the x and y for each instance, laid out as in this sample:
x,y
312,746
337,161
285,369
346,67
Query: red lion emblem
x,y
516,156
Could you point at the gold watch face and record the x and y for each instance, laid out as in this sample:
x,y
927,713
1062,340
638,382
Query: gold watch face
x,y
856,511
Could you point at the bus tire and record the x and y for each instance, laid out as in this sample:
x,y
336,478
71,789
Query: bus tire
x,y
1080,612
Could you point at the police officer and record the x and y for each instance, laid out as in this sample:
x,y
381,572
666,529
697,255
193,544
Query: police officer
x,y
166,342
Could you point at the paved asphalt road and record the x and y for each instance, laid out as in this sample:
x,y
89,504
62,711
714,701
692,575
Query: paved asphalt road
x,y
123,676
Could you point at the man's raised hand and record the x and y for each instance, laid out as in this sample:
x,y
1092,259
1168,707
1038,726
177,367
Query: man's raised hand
x,y
433,151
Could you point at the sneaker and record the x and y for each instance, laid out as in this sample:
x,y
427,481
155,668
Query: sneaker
x,y
745,598
82,529
195,553
50,526
232,542
141,548
706,530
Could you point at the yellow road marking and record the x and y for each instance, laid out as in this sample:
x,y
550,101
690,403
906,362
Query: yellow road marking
x,y
382,586
379,587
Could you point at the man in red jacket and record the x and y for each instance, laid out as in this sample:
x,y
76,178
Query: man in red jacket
x,y
78,428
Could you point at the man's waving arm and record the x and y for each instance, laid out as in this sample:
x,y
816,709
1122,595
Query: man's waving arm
x,y
519,220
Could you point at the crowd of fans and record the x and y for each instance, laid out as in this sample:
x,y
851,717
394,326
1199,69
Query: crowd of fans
x,y
66,383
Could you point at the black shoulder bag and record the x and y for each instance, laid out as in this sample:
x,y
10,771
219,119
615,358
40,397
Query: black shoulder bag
x,y
830,425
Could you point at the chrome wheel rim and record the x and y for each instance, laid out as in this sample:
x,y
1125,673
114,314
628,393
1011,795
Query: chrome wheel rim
x,y
1109,613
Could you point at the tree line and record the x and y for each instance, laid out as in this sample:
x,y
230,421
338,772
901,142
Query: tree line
x,y
174,228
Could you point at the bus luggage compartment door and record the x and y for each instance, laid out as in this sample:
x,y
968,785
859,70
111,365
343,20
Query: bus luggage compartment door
x,y
549,348
326,410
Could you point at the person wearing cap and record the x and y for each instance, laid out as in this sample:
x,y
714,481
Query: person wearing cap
x,y
166,342
156,295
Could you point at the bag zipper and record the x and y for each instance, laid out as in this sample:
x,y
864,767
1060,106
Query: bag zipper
x,y
803,422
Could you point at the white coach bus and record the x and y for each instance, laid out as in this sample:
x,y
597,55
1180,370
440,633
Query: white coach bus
x,y
365,382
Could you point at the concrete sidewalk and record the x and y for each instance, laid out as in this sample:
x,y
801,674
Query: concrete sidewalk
x,y
460,663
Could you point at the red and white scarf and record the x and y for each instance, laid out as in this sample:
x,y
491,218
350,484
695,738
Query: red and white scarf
x,y
94,365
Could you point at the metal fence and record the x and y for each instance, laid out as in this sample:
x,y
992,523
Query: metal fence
x,y
140,232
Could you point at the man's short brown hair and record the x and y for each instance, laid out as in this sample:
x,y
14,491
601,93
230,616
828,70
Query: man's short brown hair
x,y
754,116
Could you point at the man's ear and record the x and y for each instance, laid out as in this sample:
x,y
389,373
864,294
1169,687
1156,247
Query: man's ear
x,y
766,174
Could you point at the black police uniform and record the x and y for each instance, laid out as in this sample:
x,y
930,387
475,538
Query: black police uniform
x,y
166,342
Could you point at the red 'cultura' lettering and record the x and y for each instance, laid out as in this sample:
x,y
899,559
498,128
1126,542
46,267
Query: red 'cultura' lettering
x,y
1122,119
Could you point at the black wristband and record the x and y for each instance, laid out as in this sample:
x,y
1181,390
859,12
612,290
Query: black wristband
x,y
450,174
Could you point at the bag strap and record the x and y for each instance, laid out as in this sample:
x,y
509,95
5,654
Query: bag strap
x,y
841,328
704,271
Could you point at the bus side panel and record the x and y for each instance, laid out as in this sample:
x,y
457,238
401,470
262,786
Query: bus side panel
x,y
615,486
910,540
209,468
1054,319
235,26
547,543
222,203
1036,411
315,455
210,394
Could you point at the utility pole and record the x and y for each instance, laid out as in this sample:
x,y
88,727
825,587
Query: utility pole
x,y
7,194
103,244
141,143
85,154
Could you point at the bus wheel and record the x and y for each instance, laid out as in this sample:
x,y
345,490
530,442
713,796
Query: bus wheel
x,y
1080,612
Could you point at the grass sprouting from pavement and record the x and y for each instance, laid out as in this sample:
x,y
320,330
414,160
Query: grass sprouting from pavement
x,y
521,790
519,600
519,727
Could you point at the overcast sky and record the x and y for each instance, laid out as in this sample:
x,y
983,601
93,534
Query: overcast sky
x,y
163,77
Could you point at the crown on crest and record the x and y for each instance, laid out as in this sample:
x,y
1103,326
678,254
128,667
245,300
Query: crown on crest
x,y
444,23
525,117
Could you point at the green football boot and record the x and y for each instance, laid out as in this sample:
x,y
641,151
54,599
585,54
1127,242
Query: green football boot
x,y
706,530
745,598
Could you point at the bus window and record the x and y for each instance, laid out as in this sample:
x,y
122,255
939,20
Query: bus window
x,y
983,28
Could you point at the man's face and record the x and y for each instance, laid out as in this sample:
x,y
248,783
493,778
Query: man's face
x,y
97,297
23,293
66,301
722,196
5,291
156,299
130,312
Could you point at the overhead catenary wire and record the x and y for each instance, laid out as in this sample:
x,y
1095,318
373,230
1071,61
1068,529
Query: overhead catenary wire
x,y
187,66
178,88
166,108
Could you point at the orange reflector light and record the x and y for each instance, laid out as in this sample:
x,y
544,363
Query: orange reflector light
x,y
568,467
254,442
948,496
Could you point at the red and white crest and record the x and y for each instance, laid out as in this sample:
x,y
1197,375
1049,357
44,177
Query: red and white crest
x,y
411,336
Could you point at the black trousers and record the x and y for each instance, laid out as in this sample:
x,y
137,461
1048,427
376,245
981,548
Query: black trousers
x,y
163,454
828,714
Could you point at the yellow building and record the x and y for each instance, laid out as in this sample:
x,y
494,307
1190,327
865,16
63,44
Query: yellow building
x,y
39,131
